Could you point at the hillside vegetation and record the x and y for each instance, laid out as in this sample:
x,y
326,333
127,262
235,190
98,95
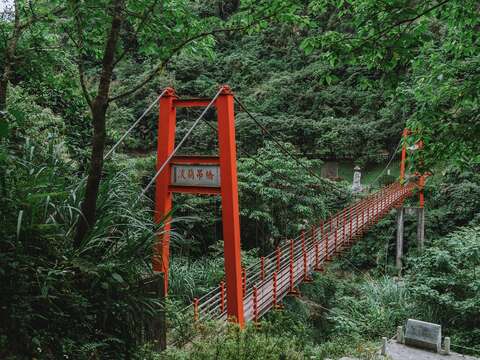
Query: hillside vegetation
x,y
331,80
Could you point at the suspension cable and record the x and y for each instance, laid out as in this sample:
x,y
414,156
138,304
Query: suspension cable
x,y
147,110
281,146
258,162
388,164
172,154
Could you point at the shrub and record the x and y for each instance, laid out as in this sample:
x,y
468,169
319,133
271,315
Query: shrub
x,y
232,343
58,300
445,284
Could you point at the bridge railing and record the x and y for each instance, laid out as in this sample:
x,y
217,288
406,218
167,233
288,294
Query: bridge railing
x,y
272,277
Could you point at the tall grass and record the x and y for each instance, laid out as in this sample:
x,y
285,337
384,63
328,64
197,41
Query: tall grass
x,y
58,300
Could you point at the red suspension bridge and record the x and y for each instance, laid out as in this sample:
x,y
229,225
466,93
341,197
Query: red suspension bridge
x,y
248,294
278,274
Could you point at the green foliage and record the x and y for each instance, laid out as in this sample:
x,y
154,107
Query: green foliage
x,y
452,200
300,99
58,300
426,52
445,284
373,309
232,343
28,120
281,203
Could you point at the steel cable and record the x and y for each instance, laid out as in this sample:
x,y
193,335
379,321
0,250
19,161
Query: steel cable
x,y
175,150
147,110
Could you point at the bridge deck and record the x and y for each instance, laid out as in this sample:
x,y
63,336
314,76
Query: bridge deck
x,y
267,282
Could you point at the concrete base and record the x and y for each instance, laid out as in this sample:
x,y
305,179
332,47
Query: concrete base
x,y
420,228
419,213
398,259
396,351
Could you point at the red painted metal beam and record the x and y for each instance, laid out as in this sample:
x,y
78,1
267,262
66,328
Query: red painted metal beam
x,y
203,190
188,103
230,208
195,160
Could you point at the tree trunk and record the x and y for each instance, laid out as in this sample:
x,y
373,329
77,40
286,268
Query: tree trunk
x,y
9,58
99,109
3,95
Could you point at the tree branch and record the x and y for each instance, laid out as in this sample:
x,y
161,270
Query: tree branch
x,y
33,19
80,63
143,21
409,20
375,36
177,49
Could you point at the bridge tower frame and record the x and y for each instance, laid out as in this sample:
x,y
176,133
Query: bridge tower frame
x,y
228,189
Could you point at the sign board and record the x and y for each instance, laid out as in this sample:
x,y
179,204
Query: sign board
x,y
195,175
423,334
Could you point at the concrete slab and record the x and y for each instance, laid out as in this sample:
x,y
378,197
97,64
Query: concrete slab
x,y
396,351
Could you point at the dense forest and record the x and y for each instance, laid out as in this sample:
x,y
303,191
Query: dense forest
x,y
331,80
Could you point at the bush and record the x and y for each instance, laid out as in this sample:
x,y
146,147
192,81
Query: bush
x,y
452,201
58,300
232,343
445,285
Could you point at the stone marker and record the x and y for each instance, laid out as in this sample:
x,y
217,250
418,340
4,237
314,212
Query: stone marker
x,y
384,346
400,337
446,342
357,185
423,335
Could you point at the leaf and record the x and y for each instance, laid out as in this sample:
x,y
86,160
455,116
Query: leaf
x,y
19,223
117,277
3,128
18,115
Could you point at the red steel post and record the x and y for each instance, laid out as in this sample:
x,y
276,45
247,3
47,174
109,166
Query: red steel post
x,y
404,156
230,209
292,290
163,197
421,186
274,289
